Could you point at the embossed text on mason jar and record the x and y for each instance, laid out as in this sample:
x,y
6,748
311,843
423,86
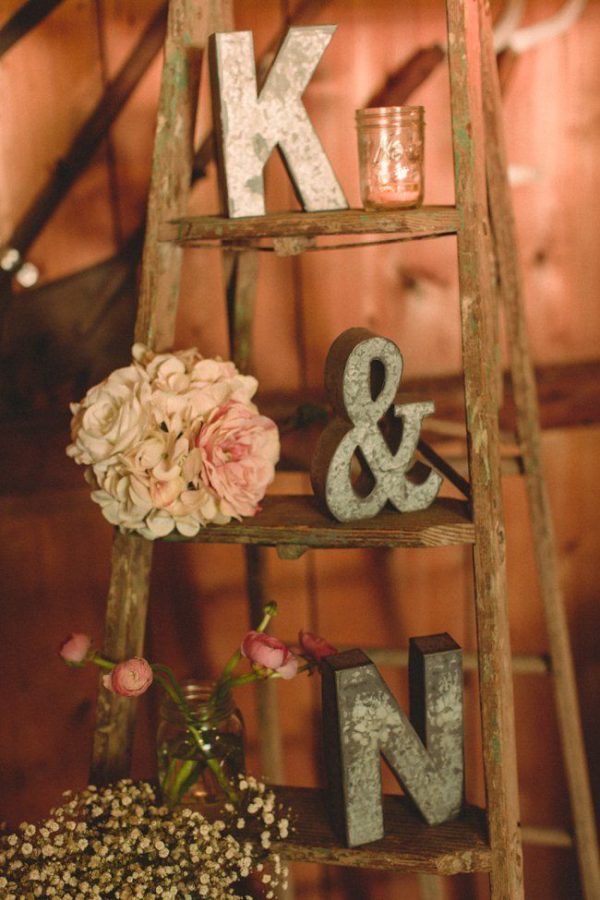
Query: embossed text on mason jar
x,y
390,145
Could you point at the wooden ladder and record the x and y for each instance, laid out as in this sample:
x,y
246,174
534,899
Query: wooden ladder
x,y
482,221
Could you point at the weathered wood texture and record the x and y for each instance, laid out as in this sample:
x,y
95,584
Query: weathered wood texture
x,y
481,360
409,844
423,222
240,275
171,172
123,638
545,550
568,395
296,521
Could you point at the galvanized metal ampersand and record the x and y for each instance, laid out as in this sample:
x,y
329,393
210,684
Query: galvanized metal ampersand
x,y
355,427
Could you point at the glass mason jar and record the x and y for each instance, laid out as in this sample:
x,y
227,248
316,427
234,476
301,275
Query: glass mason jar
x,y
198,760
390,154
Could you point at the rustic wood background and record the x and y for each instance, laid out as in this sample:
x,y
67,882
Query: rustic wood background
x,y
55,546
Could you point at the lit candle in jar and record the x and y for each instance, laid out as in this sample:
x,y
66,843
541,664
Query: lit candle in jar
x,y
390,148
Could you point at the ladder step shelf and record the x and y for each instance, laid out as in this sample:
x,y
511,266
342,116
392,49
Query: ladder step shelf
x,y
295,520
426,221
409,844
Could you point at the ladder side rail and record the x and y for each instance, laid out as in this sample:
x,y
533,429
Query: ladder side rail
x,y
124,630
529,435
172,162
479,362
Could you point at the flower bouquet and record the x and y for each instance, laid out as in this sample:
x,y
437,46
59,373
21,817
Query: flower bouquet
x,y
200,761
173,442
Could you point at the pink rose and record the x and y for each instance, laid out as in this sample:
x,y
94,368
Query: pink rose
x,y
315,646
74,649
239,451
269,653
130,678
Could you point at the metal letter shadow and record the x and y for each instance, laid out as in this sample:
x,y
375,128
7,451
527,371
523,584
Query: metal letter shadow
x,y
250,126
362,719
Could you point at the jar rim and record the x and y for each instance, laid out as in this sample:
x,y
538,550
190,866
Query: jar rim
x,y
198,694
391,111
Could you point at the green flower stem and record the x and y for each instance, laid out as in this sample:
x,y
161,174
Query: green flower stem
x,y
176,780
213,764
173,693
101,662
249,678
269,611
174,690
230,666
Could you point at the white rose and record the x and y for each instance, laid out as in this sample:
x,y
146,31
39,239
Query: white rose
x,y
111,418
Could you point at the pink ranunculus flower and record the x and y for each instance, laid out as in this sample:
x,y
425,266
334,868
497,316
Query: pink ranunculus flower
x,y
269,653
130,678
315,646
240,449
75,648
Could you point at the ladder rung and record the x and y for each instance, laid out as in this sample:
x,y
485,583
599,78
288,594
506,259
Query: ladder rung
x,y
546,837
522,663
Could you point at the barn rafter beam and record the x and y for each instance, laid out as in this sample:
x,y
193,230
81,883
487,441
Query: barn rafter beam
x,y
23,21
88,139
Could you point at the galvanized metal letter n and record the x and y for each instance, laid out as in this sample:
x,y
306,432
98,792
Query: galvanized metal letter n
x,y
362,719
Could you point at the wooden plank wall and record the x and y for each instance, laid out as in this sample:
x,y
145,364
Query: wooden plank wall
x,y
55,546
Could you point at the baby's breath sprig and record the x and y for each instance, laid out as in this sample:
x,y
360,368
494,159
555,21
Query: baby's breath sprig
x,y
119,841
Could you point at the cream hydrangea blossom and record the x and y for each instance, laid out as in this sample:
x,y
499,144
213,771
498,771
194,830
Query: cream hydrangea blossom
x,y
173,442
